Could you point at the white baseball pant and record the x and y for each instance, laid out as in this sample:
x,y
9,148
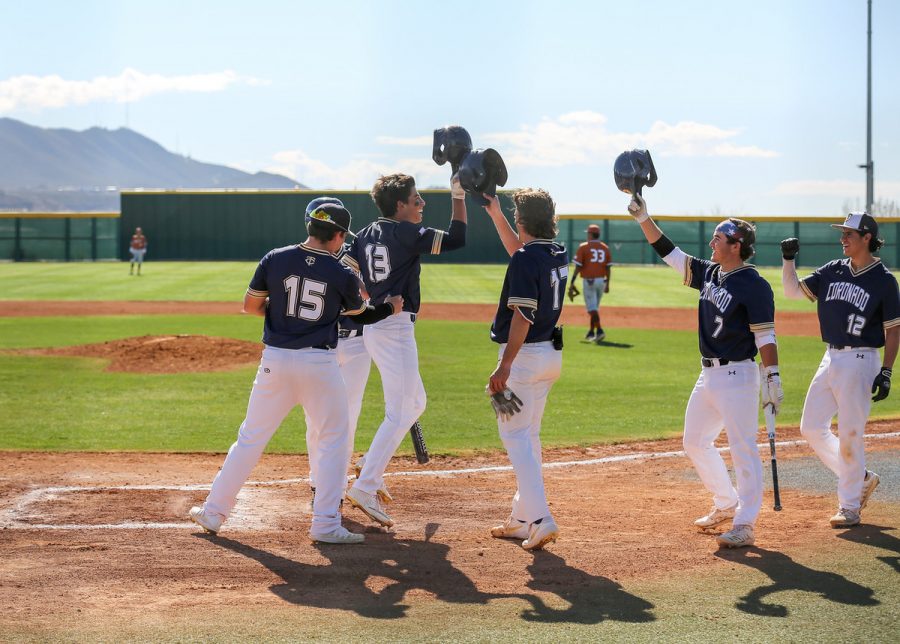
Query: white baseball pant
x,y
593,293
392,345
287,378
536,367
843,386
727,396
355,364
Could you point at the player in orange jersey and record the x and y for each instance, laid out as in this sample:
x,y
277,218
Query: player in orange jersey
x,y
593,262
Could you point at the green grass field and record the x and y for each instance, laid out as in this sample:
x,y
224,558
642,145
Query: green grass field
x,y
646,286
606,394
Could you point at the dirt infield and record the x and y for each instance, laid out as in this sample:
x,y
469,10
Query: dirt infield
x,y
613,316
101,540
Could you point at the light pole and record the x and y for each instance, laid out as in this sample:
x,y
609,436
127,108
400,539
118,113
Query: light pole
x,y
870,174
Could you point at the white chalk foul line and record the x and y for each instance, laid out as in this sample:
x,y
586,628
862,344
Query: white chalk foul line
x,y
9,517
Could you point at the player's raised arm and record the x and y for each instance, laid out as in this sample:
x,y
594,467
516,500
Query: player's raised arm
x,y
670,254
456,234
508,236
789,280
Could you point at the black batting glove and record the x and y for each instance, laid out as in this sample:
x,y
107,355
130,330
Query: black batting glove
x,y
881,386
790,247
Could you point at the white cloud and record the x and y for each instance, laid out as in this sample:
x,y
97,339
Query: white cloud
x,y
358,173
41,92
581,138
838,188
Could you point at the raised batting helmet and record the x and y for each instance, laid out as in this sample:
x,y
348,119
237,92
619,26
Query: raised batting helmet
x,y
451,143
481,172
318,201
633,170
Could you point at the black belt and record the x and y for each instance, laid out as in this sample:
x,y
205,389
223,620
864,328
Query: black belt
x,y
845,348
349,333
718,362
323,347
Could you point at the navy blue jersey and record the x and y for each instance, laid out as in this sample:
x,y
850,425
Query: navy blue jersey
x,y
535,283
733,306
386,253
307,289
855,307
346,323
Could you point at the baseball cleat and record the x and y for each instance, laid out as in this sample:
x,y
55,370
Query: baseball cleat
x,y
370,504
382,492
845,518
540,534
510,529
599,337
206,521
715,517
738,537
589,337
339,535
869,484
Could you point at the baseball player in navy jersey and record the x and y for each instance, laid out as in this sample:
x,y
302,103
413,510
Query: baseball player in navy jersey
x,y
387,254
300,290
529,363
736,319
857,302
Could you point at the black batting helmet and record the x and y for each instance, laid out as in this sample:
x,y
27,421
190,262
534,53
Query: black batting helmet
x,y
451,143
481,172
633,170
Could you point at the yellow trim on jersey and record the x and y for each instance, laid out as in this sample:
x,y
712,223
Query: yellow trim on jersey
x,y
688,273
356,311
259,294
346,260
762,326
524,317
436,242
525,302
890,324
877,262
809,294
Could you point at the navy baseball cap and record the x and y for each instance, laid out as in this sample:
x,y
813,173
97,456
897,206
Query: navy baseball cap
x,y
318,201
861,222
334,214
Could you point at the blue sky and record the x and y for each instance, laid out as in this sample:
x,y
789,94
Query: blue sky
x,y
748,107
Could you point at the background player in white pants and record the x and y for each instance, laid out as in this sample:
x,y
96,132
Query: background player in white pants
x,y
387,255
530,305
859,312
736,317
300,290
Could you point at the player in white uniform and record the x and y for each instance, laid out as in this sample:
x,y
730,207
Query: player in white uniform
x,y
300,290
387,255
736,318
530,354
859,311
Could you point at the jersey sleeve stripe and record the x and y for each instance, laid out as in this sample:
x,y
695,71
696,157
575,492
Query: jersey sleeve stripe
x,y
355,311
349,261
525,314
525,302
254,293
576,262
436,243
688,274
890,324
762,326
809,294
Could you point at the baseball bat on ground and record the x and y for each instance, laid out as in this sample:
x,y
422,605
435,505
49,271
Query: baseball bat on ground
x,y
769,412
418,441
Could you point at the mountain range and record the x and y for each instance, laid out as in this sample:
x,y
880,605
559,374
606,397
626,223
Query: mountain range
x,y
62,169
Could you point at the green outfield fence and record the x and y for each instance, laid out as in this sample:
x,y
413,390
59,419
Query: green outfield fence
x,y
244,225
59,236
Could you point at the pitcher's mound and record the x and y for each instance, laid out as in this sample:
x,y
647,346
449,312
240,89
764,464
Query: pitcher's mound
x,y
165,354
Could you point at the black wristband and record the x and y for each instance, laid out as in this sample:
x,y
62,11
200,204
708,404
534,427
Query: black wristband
x,y
663,246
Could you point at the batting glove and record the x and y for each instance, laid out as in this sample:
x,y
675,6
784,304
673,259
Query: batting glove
x,y
881,386
771,391
506,404
790,247
456,189
638,209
